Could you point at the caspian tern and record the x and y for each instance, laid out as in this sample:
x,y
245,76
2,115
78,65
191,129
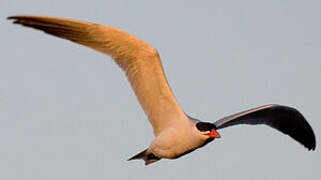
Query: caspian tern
x,y
176,133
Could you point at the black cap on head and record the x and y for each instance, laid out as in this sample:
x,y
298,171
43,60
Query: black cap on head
x,y
205,126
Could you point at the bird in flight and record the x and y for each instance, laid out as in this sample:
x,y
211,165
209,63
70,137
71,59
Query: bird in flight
x,y
176,133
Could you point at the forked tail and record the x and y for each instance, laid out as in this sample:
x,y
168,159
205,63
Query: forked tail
x,y
148,157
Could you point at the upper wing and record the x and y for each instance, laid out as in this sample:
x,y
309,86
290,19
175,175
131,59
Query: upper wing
x,y
285,119
139,60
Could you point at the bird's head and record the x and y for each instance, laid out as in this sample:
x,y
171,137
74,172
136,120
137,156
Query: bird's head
x,y
208,130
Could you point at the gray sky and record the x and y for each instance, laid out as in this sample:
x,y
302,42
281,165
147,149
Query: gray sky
x,y
67,112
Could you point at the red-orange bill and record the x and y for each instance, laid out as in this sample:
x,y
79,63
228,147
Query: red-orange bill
x,y
213,134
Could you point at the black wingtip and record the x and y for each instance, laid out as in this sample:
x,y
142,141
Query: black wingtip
x,y
312,146
11,17
14,19
282,118
17,19
304,132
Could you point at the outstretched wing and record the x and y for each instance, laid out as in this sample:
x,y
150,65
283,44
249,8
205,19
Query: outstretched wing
x,y
285,119
139,60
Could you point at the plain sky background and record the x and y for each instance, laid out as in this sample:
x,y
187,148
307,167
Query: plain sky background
x,y
67,112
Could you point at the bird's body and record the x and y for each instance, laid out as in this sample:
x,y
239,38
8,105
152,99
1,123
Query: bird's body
x,y
187,138
175,132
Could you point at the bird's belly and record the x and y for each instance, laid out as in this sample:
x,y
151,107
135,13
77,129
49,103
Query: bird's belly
x,y
171,148
171,153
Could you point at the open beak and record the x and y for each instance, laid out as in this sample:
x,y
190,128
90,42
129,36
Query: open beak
x,y
213,134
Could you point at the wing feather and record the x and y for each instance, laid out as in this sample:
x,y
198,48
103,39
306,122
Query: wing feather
x,y
282,118
139,60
